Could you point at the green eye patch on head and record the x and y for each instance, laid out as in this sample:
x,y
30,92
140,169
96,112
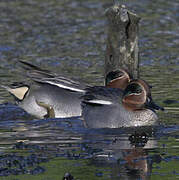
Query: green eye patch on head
x,y
133,89
113,75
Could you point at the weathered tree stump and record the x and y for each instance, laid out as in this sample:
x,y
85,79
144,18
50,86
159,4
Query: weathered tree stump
x,y
122,42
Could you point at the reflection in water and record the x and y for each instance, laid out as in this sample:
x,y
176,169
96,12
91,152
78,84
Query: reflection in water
x,y
126,153
132,164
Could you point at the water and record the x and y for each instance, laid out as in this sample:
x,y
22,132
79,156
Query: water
x,y
69,37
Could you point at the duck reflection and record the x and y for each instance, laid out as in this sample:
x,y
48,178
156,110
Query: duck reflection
x,y
127,156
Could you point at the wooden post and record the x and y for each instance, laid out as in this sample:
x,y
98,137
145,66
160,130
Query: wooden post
x,y
122,42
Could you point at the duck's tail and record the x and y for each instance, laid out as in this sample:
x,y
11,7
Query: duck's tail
x,y
19,91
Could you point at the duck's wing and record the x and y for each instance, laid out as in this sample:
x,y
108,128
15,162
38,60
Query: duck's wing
x,y
44,76
100,95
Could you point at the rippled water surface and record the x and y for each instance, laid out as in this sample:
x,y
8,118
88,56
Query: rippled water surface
x,y
69,37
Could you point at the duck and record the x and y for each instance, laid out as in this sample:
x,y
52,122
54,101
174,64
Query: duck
x,y
115,108
53,96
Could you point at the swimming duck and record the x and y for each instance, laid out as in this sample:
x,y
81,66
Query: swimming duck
x,y
114,108
54,96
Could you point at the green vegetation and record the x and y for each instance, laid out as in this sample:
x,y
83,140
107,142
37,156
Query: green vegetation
x,y
165,171
57,167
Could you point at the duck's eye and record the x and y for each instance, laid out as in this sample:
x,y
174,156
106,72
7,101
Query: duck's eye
x,y
138,90
133,89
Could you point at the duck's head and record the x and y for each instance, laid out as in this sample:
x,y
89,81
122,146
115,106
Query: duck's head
x,y
117,79
137,96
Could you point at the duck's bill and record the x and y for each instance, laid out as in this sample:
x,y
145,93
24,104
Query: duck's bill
x,y
153,106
